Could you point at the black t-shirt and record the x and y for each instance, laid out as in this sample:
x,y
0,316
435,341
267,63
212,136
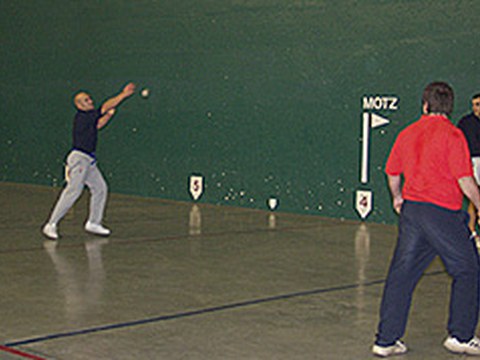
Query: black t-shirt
x,y
85,130
470,125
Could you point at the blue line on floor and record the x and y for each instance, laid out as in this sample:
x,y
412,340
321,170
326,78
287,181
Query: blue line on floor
x,y
198,312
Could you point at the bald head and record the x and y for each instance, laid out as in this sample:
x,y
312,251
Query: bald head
x,y
83,101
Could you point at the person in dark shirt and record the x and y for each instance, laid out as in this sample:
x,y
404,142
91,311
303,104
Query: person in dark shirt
x,y
470,125
81,168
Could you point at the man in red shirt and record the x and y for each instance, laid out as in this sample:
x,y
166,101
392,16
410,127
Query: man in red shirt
x,y
433,158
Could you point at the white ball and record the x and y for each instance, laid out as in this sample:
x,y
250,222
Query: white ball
x,y
145,93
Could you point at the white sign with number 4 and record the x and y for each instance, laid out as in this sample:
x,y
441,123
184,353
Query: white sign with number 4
x,y
363,202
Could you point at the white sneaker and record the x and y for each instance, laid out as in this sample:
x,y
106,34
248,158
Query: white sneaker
x,y
97,229
398,348
471,347
50,231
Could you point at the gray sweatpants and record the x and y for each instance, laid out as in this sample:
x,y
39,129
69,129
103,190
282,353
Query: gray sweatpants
x,y
82,170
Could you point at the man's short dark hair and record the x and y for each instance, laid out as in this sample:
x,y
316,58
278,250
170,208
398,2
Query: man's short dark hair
x,y
476,96
439,98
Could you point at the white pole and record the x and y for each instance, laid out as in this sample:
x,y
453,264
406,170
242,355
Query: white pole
x,y
365,147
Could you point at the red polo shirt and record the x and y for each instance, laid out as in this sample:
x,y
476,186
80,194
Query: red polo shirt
x,y
432,154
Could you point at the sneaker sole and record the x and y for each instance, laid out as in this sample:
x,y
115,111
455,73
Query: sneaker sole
x,y
98,234
381,352
49,237
461,352
455,350
389,355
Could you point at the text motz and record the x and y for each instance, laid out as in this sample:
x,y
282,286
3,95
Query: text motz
x,y
380,103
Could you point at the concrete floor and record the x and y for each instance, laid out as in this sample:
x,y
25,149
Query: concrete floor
x,y
188,281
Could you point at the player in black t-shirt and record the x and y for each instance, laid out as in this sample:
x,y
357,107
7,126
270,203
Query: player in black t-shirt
x,y
81,168
470,125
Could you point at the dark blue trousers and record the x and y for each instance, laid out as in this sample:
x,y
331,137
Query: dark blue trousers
x,y
425,231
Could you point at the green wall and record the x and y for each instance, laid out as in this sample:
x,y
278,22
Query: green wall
x,y
261,97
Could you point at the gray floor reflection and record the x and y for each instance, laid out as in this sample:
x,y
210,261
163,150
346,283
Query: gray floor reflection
x,y
80,293
272,221
362,256
195,221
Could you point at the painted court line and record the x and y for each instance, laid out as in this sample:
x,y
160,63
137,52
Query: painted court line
x,y
142,240
20,353
198,312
